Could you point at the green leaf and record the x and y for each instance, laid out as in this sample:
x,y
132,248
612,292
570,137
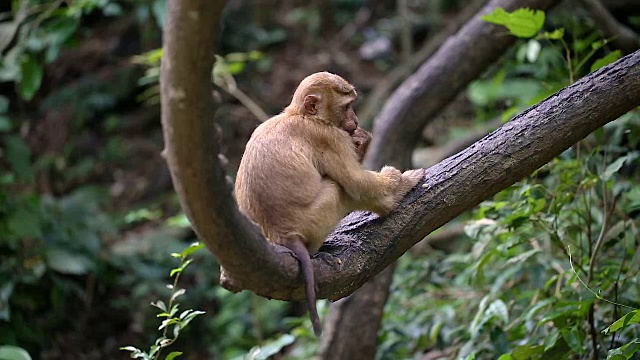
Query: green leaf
x,y
606,60
236,68
574,337
192,248
558,351
136,353
8,352
5,123
270,348
4,104
523,23
19,156
66,262
556,34
179,292
633,198
614,167
633,317
173,355
179,221
624,352
533,50
160,305
7,31
497,310
31,78
527,352
523,256
25,222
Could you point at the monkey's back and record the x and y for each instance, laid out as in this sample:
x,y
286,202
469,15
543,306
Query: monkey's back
x,y
278,182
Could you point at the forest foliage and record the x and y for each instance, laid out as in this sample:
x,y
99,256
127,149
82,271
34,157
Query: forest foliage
x,y
546,269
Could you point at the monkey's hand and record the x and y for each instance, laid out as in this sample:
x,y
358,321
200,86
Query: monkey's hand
x,y
410,179
361,139
402,184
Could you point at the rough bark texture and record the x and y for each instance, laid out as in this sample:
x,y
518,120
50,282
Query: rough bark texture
x,y
398,127
496,161
191,146
364,244
358,316
418,99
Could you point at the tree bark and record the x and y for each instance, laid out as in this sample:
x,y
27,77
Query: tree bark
x,y
451,187
359,315
486,167
461,59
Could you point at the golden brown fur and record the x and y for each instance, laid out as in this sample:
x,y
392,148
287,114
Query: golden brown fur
x,y
301,172
361,139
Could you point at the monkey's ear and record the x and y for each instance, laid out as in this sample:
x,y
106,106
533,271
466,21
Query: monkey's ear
x,y
311,104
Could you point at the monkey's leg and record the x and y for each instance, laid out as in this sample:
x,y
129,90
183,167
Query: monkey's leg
x,y
320,217
330,205
295,243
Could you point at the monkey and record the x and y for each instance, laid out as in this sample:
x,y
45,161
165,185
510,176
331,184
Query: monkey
x,y
361,139
301,173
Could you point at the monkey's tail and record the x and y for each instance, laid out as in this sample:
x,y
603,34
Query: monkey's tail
x,y
297,246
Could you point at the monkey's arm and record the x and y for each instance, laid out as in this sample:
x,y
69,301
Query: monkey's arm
x,y
368,190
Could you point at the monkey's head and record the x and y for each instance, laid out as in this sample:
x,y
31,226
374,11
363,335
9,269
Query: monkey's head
x,y
328,98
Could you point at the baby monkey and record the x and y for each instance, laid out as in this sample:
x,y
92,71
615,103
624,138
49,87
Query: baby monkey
x,y
301,173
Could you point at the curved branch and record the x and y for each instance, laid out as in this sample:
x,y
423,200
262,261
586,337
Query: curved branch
x,y
420,97
191,146
454,185
623,37
375,100
462,181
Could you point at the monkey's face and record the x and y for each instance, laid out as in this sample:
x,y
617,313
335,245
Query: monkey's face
x,y
350,122
345,115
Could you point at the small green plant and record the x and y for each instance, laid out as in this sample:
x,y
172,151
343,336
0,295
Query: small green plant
x,y
169,312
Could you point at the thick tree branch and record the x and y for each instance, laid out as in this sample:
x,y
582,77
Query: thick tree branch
x,y
191,145
364,244
462,181
420,97
623,37
344,320
466,47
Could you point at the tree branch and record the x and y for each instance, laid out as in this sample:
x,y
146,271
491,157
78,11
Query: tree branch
x,y
377,97
191,144
462,181
373,295
451,187
420,97
623,37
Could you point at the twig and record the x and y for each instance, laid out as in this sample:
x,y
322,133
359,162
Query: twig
x,y
405,30
247,102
